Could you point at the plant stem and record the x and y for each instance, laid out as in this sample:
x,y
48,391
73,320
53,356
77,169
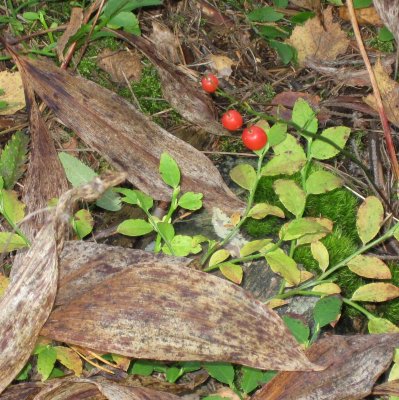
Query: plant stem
x,y
358,308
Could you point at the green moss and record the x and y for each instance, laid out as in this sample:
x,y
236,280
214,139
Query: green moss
x,y
386,47
390,309
264,95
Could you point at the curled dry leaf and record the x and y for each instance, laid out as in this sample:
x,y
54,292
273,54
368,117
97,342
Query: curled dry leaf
x,y
354,365
315,41
125,137
28,300
184,96
122,65
176,313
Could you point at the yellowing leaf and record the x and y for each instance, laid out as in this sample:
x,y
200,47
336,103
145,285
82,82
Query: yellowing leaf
x,y
381,325
11,84
274,303
313,237
327,288
14,208
312,40
322,182
291,195
69,358
4,281
261,210
304,276
243,175
300,227
376,292
369,267
121,361
10,242
232,272
284,265
369,218
218,257
320,254
253,247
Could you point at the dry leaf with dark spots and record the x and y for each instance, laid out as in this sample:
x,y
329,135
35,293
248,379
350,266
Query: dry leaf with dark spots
x,y
389,94
176,313
181,92
125,137
73,26
123,66
354,365
83,265
312,41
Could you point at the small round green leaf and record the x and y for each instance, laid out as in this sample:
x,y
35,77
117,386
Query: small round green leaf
x,y
300,227
218,257
191,201
322,150
322,182
277,134
327,310
291,195
304,116
169,170
369,218
134,227
284,265
243,175
167,230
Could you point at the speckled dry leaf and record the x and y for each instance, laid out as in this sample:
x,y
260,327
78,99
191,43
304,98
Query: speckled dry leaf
x,y
29,298
389,94
355,363
221,64
182,93
73,26
84,265
12,92
364,16
123,66
166,43
125,137
163,313
22,391
312,41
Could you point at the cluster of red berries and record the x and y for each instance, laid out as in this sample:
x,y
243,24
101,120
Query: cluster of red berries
x,y
254,137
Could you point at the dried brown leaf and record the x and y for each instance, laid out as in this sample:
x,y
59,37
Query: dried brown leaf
x,y
22,391
176,313
364,16
166,43
355,363
83,265
122,65
183,95
125,137
387,388
315,41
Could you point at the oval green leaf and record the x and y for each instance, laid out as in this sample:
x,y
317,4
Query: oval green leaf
x,y
284,265
232,272
277,134
320,254
381,325
300,227
327,310
191,201
304,116
243,175
253,247
369,218
322,150
134,227
322,182
261,210
83,223
169,170
291,195
10,242
218,257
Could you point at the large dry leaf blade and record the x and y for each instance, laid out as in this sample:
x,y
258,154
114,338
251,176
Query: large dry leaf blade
x,y
83,265
177,313
125,137
182,94
355,363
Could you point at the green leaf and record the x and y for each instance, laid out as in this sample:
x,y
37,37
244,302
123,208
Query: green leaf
x,y
304,116
232,272
182,246
24,374
10,242
300,227
173,374
336,2
370,216
381,325
376,292
328,224
251,378
11,206
291,195
320,254
190,366
285,51
136,197
284,265
191,201
30,16
322,182
253,247
280,3
79,173
134,227
299,330
362,3
112,7
222,372
261,210
322,150
169,170
265,14
13,159
83,223
302,17
277,134
273,32
243,175
167,230
126,20
218,257
289,158
142,367
45,362
327,310
385,35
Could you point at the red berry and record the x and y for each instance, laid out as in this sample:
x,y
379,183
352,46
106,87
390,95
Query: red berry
x,y
232,120
254,137
210,83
